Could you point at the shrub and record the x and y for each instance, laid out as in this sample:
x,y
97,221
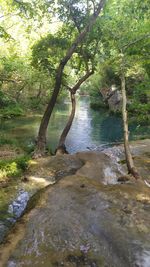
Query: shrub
x,y
13,168
98,103
11,111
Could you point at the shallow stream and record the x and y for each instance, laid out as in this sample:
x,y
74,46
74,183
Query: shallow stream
x,y
90,128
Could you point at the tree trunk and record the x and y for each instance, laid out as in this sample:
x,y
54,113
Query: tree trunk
x,y
129,160
61,149
39,91
19,92
41,139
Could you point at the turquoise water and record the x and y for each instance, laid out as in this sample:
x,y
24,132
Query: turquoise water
x,y
89,130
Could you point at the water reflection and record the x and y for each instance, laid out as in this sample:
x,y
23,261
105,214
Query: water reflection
x,y
80,134
108,127
90,128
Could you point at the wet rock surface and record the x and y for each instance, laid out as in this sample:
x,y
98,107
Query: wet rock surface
x,y
100,167
10,214
51,169
85,219
90,225
41,173
141,155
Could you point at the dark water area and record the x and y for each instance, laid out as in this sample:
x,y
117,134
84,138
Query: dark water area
x,y
90,128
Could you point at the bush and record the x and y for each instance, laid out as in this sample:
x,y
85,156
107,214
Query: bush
x,y
22,163
11,111
7,141
5,100
97,103
13,168
143,120
138,108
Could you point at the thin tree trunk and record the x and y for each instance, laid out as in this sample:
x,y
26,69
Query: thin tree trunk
x,y
20,91
129,160
61,149
41,139
39,91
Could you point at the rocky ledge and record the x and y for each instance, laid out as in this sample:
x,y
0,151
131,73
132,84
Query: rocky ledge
x,y
87,218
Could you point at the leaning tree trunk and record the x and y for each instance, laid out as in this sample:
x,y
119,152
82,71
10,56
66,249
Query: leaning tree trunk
x,y
61,149
20,91
129,160
41,139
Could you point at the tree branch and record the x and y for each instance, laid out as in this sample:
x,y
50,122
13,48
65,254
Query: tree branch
x,y
136,41
80,81
74,19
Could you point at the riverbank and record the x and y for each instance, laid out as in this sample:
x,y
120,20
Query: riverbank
x,y
138,112
82,196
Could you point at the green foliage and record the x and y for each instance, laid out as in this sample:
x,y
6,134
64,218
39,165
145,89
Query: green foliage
x,y
125,37
108,76
3,33
21,25
13,168
30,54
92,86
8,169
139,108
98,103
47,52
8,107
75,12
141,92
4,100
140,119
139,104
23,163
6,141
139,113
21,83
11,111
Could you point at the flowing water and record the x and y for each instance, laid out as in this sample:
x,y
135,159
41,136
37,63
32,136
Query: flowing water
x,y
90,128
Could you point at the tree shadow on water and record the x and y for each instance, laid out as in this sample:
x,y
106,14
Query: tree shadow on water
x,y
107,128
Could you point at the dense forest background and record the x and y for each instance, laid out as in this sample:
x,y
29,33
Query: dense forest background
x,y
50,49
34,36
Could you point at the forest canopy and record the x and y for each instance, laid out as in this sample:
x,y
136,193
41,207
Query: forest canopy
x,y
35,36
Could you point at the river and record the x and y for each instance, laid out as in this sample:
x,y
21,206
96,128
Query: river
x,y
90,129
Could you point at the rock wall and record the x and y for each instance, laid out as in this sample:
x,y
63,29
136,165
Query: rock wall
x,y
113,97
